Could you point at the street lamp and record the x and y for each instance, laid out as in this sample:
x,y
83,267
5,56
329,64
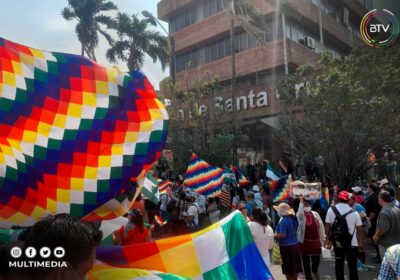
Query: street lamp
x,y
147,14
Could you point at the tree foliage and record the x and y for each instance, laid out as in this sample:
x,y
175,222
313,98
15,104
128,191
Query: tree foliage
x,y
90,17
135,40
344,109
206,133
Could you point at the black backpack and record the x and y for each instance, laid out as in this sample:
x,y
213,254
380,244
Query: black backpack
x,y
340,236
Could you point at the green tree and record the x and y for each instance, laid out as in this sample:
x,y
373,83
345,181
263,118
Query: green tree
x,y
135,40
344,109
204,132
90,17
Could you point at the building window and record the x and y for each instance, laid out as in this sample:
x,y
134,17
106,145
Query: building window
x,y
243,42
303,36
191,15
221,48
214,51
227,46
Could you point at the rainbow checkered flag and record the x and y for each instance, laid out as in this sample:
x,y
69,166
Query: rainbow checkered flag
x,y
203,178
164,186
280,189
73,135
225,250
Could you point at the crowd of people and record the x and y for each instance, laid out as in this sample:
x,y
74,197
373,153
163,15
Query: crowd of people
x,y
300,228
356,216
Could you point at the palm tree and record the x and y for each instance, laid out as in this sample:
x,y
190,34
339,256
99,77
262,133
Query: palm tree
x,y
135,40
89,15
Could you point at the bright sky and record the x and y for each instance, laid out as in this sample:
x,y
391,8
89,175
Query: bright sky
x,y
39,24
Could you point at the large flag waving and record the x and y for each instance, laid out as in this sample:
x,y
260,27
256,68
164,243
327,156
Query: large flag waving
x,y
271,173
225,250
204,178
73,134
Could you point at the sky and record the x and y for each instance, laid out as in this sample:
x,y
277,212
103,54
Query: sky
x,y
39,24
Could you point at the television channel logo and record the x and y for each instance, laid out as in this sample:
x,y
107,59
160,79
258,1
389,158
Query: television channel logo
x,y
379,28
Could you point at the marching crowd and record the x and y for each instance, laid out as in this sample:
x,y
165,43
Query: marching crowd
x,y
294,233
297,231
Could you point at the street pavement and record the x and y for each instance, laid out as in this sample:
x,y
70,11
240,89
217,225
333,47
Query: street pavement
x,y
327,269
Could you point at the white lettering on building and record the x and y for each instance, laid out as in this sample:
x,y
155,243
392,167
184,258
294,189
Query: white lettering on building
x,y
251,101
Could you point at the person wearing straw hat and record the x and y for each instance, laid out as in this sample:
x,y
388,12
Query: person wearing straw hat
x,y
288,243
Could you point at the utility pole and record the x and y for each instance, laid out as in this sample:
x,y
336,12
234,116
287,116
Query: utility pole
x,y
233,89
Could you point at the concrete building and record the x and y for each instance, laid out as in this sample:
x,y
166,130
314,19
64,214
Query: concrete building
x,y
201,31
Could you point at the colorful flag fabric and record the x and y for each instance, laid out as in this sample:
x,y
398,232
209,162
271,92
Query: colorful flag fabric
x,y
73,134
5,235
203,178
105,272
230,178
150,188
225,250
271,173
280,189
225,198
109,226
163,186
325,201
160,221
243,181
240,178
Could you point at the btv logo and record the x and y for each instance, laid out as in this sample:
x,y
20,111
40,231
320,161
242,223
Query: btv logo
x,y
379,28
374,28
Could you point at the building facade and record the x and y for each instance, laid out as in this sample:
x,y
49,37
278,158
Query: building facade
x,y
297,32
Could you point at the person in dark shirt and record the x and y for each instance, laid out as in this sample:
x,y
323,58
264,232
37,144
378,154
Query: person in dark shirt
x,y
373,208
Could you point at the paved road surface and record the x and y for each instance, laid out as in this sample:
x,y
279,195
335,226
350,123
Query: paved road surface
x,y
327,269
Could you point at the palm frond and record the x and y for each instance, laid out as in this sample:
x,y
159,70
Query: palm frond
x,y
68,14
106,20
107,36
107,6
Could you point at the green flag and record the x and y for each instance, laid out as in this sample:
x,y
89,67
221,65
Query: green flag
x,y
150,188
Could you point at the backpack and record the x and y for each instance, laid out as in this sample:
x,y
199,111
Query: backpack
x,y
340,236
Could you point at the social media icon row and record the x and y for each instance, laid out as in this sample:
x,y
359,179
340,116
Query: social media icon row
x,y
31,252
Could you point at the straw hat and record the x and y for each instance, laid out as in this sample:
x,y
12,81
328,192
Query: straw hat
x,y
284,209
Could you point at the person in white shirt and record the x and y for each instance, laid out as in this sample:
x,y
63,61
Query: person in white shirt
x,y
262,233
201,202
355,229
192,214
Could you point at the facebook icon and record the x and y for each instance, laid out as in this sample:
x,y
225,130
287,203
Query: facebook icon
x,y
30,252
